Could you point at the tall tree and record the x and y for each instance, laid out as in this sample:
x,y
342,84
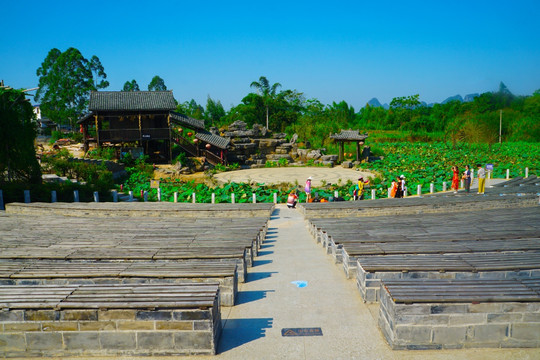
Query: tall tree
x,y
214,112
98,73
131,86
267,92
157,84
17,133
65,82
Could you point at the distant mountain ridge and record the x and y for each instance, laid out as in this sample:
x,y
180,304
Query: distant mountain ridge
x,y
374,102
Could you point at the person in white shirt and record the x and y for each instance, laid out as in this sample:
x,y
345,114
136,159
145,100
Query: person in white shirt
x,y
481,174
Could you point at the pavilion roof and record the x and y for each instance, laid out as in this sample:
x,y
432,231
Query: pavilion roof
x,y
187,121
131,101
213,139
349,135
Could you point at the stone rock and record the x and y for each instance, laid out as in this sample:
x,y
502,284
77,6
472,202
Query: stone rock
x,y
279,135
328,163
313,155
277,157
245,146
332,158
347,164
268,143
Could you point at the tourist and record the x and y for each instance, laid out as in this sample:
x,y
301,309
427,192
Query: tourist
x,y
481,174
455,179
467,178
399,189
360,188
307,189
393,189
402,185
292,200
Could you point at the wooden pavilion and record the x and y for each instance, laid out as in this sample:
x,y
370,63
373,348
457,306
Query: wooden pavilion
x,y
147,119
349,136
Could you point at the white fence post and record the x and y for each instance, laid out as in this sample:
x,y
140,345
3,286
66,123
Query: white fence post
x,y
175,196
131,195
2,200
27,196
431,188
53,196
389,192
193,198
96,196
75,195
145,196
526,172
275,198
254,198
213,198
114,195
373,194
444,186
405,192
232,198
507,174
419,190
336,194
159,194
461,184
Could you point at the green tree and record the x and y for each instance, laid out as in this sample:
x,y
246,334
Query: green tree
x,y
131,86
65,83
17,133
98,73
157,84
267,92
214,112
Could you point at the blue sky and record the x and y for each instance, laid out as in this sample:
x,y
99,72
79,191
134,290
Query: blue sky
x,y
332,51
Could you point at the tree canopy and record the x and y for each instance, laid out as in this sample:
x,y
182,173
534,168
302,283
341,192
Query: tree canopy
x,y
131,86
17,133
157,84
65,82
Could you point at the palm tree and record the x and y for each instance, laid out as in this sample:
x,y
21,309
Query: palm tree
x,y
267,92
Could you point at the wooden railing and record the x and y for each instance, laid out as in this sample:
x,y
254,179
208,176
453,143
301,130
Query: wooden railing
x,y
184,144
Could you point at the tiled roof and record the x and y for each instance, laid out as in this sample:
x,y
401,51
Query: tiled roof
x,y
187,121
349,135
213,139
85,118
131,101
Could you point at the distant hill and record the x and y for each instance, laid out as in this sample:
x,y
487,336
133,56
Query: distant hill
x,y
453,98
376,103
470,97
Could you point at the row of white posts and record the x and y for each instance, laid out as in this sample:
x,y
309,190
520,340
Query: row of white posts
x,y
233,200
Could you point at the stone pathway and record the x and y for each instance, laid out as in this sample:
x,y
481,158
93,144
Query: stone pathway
x,y
269,302
292,174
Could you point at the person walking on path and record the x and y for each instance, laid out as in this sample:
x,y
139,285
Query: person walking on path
x,y
481,174
307,189
467,178
393,189
399,187
360,188
455,179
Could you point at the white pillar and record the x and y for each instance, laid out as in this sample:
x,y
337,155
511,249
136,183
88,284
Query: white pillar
x,y
373,194
193,198
53,196
507,174
213,198
336,194
419,190
96,196
145,196
232,198
444,186
131,195
158,194
275,198
405,192
389,192
75,195
431,188
114,195
254,198
27,196
526,172
175,196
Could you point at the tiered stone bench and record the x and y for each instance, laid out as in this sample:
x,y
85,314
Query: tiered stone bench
x,y
505,265
146,209
62,272
109,320
451,314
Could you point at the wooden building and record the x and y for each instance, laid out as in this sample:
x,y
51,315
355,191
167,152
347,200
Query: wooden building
x,y
146,120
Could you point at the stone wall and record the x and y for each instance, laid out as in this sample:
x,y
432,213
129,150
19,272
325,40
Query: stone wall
x,y
123,332
459,325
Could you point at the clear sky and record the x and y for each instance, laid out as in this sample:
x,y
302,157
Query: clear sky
x,y
330,50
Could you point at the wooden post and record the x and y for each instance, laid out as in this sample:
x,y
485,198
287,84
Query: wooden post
x,y
357,151
170,136
97,129
341,150
140,129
